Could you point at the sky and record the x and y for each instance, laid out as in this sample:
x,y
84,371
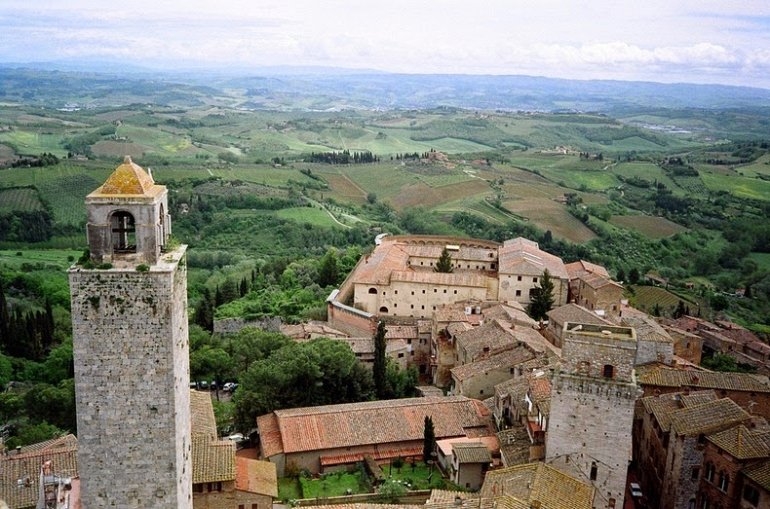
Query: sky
x,y
692,41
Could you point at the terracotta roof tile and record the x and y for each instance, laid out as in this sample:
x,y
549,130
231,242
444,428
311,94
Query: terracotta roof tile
x,y
489,338
61,452
582,267
212,460
523,256
202,414
647,329
538,482
668,377
470,452
741,443
255,476
372,422
759,473
708,417
502,360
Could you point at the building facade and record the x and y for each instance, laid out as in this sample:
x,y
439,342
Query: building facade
x,y
592,409
131,351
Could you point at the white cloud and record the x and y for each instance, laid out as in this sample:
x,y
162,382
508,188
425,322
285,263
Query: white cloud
x,y
703,41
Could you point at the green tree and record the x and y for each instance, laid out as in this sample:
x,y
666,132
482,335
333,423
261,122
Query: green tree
x,y
429,439
379,370
444,263
541,301
328,270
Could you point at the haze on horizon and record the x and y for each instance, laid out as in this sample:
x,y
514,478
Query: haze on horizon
x,y
706,41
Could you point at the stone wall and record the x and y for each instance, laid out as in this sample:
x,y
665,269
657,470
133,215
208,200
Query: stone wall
x,y
590,424
131,353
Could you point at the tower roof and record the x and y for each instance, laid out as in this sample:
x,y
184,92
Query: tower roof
x,y
128,179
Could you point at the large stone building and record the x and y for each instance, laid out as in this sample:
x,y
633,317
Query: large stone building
x,y
592,408
131,351
398,277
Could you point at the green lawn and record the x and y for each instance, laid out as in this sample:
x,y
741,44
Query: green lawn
x,y
333,485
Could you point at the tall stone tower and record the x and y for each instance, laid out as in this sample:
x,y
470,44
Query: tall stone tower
x,y
131,349
592,409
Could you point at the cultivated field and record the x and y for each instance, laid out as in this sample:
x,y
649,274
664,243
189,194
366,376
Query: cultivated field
x,y
651,226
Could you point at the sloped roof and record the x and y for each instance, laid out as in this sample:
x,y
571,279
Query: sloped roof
x,y
472,279
524,257
597,281
670,377
202,414
647,329
742,443
582,267
708,417
502,360
538,482
470,452
759,473
128,179
256,476
372,422
212,460
575,313
377,266
491,335
26,464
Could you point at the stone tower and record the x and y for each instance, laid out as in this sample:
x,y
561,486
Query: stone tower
x,y
592,409
129,327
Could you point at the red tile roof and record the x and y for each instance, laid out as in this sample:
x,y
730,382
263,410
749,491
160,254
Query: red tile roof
x,y
374,422
523,256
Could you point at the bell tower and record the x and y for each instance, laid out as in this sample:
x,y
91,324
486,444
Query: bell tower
x,y
131,350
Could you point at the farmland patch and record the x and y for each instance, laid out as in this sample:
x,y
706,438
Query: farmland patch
x,y
650,226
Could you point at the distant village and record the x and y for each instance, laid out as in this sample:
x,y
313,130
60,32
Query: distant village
x,y
598,406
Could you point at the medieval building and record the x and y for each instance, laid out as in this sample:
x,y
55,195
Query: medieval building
x,y
131,351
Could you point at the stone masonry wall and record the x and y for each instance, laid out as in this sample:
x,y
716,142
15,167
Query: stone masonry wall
x,y
131,355
591,422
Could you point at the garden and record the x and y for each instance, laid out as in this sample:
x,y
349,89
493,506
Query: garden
x,y
399,477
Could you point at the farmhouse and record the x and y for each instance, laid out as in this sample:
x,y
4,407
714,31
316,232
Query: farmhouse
x,y
325,438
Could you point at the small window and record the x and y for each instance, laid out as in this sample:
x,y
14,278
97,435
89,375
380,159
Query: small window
x,y
608,371
695,473
518,293
395,292
594,470
518,278
709,472
534,280
373,291
455,292
724,481
383,309
444,290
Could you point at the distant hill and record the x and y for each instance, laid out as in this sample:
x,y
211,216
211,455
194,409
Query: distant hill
x,y
337,89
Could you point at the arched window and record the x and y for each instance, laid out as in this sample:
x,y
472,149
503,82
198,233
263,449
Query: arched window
x,y
724,480
373,291
123,228
709,475
608,371
383,309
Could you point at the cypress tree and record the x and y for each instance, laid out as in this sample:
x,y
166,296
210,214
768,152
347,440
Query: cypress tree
x,y
542,298
444,263
380,362
429,439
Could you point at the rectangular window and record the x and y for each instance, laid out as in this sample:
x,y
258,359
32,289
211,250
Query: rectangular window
x,y
518,293
518,278
695,473
534,280
751,494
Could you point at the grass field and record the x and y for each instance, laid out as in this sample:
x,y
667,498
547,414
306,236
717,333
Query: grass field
x,y
650,226
308,215
51,258
740,187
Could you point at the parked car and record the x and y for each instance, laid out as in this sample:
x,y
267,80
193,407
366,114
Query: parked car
x,y
636,490
229,386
